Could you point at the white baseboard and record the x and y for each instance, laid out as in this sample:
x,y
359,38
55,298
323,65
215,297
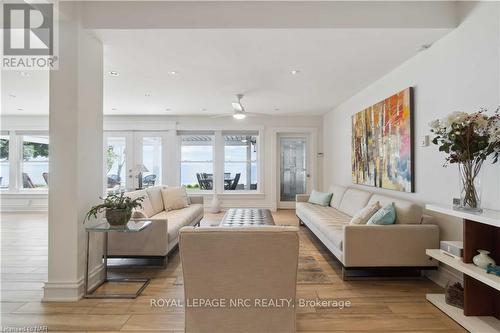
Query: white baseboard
x,y
443,275
71,291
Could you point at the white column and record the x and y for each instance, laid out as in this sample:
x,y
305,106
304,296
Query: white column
x,y
76,159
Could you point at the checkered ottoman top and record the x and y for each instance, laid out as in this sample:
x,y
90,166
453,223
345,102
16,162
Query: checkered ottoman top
x,y
243,217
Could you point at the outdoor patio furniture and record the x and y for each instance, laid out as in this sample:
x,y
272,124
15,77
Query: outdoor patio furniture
x,y
45,176
27,182
149,180
234,184
113,180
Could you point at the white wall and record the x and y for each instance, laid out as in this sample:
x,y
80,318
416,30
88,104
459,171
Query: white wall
x,y
459,72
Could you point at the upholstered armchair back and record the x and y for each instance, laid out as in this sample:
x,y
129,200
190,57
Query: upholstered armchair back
x,y
252,266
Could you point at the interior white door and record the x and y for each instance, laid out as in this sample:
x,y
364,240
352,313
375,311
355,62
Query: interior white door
x,y
294,177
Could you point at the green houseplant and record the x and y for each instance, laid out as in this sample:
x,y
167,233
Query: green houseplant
x,y
117,208
468,139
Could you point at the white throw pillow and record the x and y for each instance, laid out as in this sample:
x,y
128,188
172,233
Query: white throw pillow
x,y
174,198
364,215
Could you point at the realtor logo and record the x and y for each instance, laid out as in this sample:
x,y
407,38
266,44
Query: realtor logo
x,y
28,36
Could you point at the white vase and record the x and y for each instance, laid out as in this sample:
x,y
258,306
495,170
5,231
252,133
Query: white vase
x,y
215,204
482,260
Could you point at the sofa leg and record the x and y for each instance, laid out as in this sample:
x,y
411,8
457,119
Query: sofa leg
x,y
164,261
301,223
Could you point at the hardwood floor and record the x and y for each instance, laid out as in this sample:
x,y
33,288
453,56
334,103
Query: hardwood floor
x,y
377,305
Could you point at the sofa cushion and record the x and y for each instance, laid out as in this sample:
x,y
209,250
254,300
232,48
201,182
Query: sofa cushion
x,y
337,194
407,212
320,198
180,218
365,214
385,215
174,198
353,201
155,198
147,209
321,215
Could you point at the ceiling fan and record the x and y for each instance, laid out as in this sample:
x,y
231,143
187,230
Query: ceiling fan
x,y
239,111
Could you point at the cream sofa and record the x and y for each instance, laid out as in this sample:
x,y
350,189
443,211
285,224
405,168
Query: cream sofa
x,y
163,235
402,244
253,265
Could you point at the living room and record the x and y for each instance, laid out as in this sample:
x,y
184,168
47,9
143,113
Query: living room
x,y
253,145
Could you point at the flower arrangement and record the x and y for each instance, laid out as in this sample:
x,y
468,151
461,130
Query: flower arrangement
x,y
468,139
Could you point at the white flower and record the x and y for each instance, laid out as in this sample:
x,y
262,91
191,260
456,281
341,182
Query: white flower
x,y
456,117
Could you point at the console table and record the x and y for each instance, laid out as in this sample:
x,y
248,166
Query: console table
x,y
481,311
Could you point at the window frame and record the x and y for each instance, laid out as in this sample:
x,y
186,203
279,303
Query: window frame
x,y
219,160
181,134
16,139
256,134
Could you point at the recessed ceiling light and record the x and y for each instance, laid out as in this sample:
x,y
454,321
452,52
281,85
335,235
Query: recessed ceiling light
x,y
113,73
173,73
12,95
147,94
295,71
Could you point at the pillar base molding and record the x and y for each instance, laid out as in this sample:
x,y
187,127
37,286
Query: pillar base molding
x,y
71,291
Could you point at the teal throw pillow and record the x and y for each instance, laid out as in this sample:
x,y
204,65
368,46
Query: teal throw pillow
x,y
385,215
320,198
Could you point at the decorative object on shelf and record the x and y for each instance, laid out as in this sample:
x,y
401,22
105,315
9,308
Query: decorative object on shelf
x,y
482,260
382,143
492,269
215,204
453,249
117,208
454,295
468,139
140,168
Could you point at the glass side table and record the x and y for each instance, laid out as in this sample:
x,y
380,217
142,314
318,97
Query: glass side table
x,y
131,227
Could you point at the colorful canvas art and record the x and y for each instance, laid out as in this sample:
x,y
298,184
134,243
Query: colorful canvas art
x,y
382,144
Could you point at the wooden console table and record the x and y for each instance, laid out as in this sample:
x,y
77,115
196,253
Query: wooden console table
x,y
481,290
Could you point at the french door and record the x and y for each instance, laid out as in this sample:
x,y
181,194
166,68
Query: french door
x,y
294,164
133,160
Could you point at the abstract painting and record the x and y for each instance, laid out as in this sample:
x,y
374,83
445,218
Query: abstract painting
x,y
382,143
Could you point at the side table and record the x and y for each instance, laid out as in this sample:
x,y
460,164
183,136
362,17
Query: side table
x,y
105,227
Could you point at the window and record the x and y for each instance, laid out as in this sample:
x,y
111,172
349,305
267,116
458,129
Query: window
x,y
35,161
115,163
4,161
240,162
197,167
151,160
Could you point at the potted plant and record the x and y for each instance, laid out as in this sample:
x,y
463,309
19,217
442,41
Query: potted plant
x,y
468,139
117,207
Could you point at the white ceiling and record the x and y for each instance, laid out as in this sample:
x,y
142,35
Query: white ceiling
x,y
216,64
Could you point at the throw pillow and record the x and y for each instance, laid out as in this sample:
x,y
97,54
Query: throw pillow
x,y
364,215
385,215
174,198
320,198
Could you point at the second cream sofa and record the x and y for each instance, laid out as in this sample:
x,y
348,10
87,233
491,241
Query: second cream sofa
x,y
402,244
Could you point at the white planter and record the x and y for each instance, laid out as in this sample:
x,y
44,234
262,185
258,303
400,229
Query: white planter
x,y
215,204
